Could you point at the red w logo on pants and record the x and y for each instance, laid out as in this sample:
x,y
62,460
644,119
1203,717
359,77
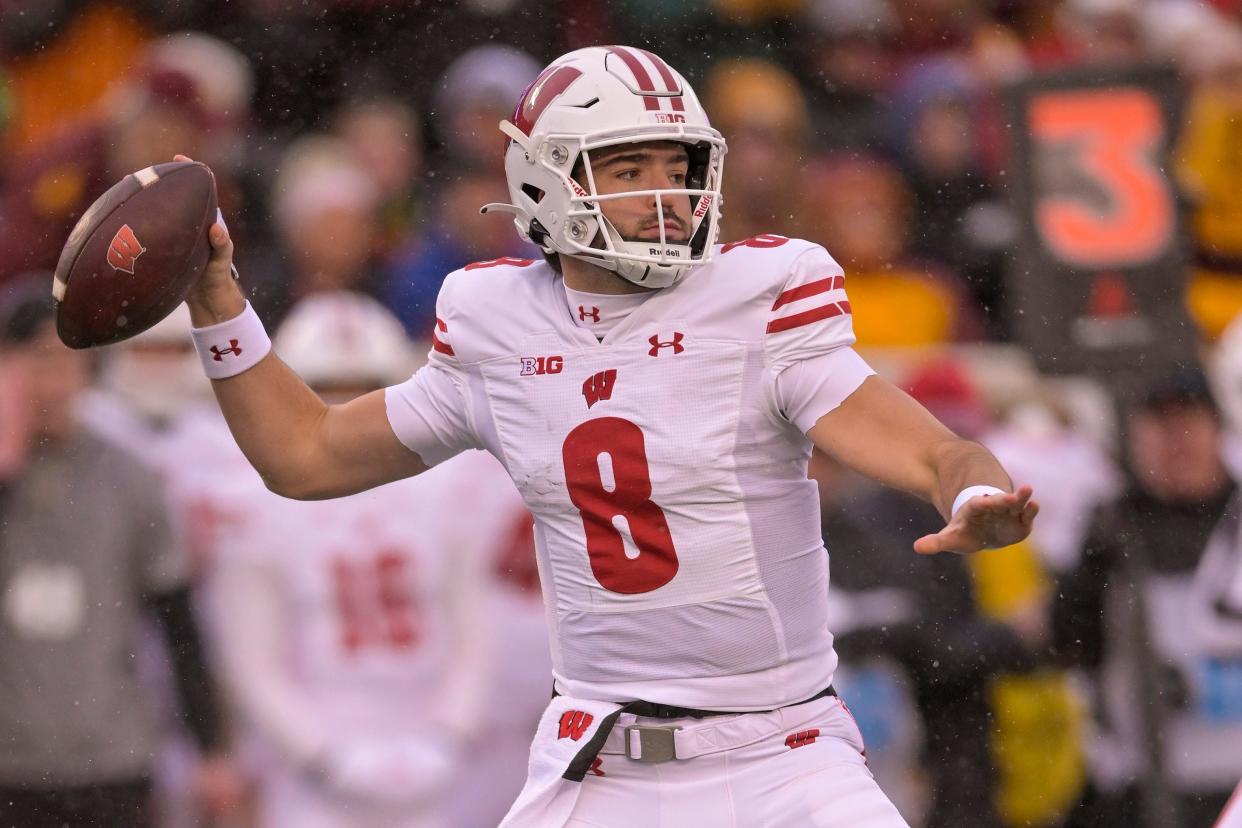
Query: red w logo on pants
x,y
801,738
574,723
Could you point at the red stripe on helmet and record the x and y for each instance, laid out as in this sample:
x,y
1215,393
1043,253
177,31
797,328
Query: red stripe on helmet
x,y
640,75
666,74
539,95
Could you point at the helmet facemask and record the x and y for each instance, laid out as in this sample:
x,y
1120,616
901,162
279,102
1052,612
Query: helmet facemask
x,y
581,230
652,263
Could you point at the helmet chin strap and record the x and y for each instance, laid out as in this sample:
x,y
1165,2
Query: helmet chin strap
x,y
643,274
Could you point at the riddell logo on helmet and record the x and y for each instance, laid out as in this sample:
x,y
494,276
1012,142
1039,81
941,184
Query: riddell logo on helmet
x,y
705,204
667,251
670,118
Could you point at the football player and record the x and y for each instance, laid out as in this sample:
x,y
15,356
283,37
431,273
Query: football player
x,y
655,396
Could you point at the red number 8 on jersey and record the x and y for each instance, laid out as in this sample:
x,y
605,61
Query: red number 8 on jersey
x,y
628,497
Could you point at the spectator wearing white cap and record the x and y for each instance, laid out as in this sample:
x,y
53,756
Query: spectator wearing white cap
x,y
325,210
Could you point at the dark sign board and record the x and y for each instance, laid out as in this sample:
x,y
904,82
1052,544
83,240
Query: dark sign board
x,y
1096,282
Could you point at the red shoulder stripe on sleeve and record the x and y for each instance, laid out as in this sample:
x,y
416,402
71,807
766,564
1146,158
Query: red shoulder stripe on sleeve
x,y
442,347
438,344
809,289
807,317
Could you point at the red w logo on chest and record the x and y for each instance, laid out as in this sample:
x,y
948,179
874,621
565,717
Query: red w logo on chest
x,y
599,386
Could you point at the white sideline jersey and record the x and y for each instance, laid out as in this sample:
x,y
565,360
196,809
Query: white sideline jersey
x,y
678,536
349,603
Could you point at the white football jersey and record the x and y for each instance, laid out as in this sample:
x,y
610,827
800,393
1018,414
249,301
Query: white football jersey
x,y
679,538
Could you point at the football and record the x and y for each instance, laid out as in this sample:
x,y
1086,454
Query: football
x,y
134,254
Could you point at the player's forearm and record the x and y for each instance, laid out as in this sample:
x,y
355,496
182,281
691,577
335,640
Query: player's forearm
x,y
957,464
271,412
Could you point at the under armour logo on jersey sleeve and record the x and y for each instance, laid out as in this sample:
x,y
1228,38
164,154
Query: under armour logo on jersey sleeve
x,y
810,301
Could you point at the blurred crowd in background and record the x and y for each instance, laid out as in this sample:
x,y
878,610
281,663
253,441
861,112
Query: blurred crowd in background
x,y
175,641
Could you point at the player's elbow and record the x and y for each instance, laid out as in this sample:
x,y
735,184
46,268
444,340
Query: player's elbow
x,y
297,485
287,487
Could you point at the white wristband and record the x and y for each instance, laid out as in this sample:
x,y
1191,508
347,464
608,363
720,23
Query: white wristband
x,y
232,346
973,491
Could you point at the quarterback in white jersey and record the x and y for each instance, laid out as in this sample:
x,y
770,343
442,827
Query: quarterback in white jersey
x,y
655,397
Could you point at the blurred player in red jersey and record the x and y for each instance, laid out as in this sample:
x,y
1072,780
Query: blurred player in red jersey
x,y
655,397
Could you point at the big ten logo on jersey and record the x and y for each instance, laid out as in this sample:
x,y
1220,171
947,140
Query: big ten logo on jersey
x,y
538,366
375,602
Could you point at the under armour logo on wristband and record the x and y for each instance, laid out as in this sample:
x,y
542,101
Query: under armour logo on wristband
x,y
218,352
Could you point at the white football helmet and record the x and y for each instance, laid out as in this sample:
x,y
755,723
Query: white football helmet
x,y
344,339
600,97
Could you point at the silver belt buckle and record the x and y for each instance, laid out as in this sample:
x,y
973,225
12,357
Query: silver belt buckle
x,y
656,744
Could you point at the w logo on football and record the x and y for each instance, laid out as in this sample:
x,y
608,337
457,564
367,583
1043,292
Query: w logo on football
x,y
125,250
573,724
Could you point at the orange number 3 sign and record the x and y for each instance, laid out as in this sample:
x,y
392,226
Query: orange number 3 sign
x,y
1115,137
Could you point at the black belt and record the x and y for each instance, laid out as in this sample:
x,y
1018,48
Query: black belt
x,y
581,763
655,710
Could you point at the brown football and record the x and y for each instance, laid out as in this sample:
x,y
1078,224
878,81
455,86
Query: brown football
x,y
134,254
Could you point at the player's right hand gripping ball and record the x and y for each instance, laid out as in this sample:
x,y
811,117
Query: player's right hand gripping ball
x,y
135,254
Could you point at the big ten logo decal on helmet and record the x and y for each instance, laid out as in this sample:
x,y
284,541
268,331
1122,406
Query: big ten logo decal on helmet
x,y
537,366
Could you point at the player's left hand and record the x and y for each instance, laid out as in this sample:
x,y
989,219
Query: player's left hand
x,y
984,522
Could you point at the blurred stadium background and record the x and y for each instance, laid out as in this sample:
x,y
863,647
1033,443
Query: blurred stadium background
x,y
1039,209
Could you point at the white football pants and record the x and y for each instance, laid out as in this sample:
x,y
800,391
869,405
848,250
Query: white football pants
x,y
798,767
